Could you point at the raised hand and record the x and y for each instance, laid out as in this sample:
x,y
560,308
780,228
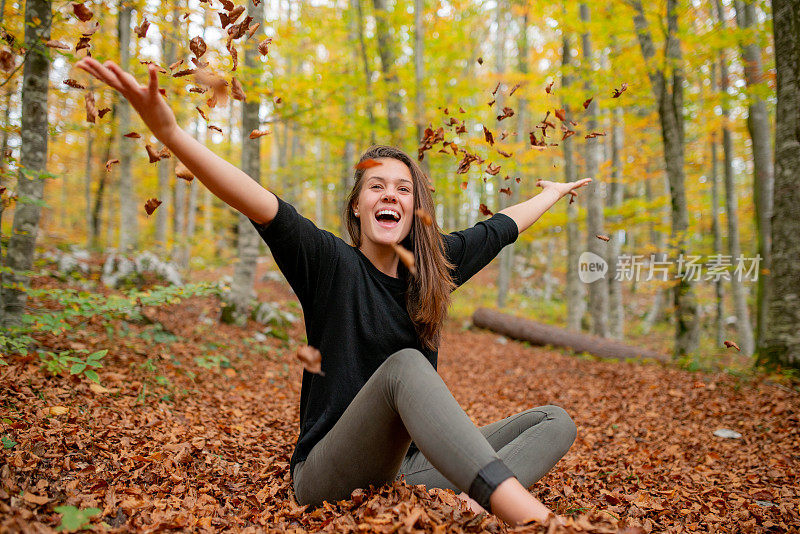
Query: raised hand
x,y
563,188
146,100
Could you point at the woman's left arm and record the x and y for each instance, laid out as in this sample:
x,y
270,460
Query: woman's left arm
x,y
528,212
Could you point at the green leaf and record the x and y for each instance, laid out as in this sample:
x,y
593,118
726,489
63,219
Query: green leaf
x,y
91,375
74,519
77,368
8,443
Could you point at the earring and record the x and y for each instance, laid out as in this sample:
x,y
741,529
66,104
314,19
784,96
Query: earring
x,y
355,213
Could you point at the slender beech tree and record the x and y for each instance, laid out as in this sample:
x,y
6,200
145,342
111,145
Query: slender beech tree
x,y
616,313
168,51
394,105
248,240
362,49
744,330
576,303
595,223
666,80
504,270
128,226
782,337
33,161
763,170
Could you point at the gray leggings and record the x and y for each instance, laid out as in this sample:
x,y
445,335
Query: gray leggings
x,y
406,398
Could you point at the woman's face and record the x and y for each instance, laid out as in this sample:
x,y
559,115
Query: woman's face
x,y
385,204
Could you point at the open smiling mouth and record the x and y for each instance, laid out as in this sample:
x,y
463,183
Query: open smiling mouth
x,y
387,218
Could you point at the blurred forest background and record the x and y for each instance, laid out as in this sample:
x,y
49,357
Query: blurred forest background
x,y
669,106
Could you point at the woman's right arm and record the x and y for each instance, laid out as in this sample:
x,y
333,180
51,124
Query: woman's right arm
x,y
226,181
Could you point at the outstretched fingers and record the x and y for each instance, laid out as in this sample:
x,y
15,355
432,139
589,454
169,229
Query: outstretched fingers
x,y
127,81
96,69
152,87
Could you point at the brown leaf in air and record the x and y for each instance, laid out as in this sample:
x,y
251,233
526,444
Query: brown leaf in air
x,y
618,92
463,186
516,86
367,164
497,88
183,173
82,12
235,13
91,29
311,359
74,84
215,128
141,30
424,216
215,82
733,344
102,113
91,110
549,87
485,210
507,112
151,205
492,169
480,61
176,64
594,134
560,114
227,4
504,154
506,190
109,163
152,154
185,72
202,113
253,29
58,45
490,104
83,42
603,237
160,69
587,102
237,92
263,46
407,257
488,136
132,135
198,46
255,134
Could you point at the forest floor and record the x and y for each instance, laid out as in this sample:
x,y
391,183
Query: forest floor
x,y
195,422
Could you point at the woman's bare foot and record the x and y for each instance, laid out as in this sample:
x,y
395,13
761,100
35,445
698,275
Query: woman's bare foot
x,y
515,505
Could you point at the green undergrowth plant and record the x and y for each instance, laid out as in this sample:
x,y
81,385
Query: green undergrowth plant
x,y
69,360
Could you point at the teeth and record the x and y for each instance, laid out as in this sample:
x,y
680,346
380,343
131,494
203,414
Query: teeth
x,y
389,212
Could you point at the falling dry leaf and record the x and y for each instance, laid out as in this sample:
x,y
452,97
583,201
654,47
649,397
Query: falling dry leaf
x,y
497,88
480,61
202,113
198,46
82,12
7,61
102,113
367,164
236,90
485,210
407,257
141,30
506,190
216,83
488,136
255,134
587,102
603,237
263,46
492,169
424,216
151,205
152,154
182,172
215,128
504,154
560,114
109,163
618,92
730,344
516,86
58,45
311,359
594,134
176,64
549,87
253,30
74,84
132,135
507,112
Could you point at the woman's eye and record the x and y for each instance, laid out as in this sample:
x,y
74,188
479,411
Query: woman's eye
x,y
376,186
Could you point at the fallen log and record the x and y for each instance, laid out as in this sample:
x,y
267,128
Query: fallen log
x,y
543,334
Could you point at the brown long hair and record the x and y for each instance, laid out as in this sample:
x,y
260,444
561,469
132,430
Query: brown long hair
x,y
428,294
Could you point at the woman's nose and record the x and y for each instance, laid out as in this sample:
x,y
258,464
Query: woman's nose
x,y
387,196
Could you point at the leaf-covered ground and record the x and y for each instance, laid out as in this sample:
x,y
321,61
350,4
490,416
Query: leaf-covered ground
x,y
174,442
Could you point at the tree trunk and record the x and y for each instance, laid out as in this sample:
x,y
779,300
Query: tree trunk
x,y
616,313
3,159
716,229
393,104
244,273
97,208
419,77
128,227
542,334
595,224
576,304
362,46
87,184
162,214
669,98
505,256
33,160
763,171
743,329
782,337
